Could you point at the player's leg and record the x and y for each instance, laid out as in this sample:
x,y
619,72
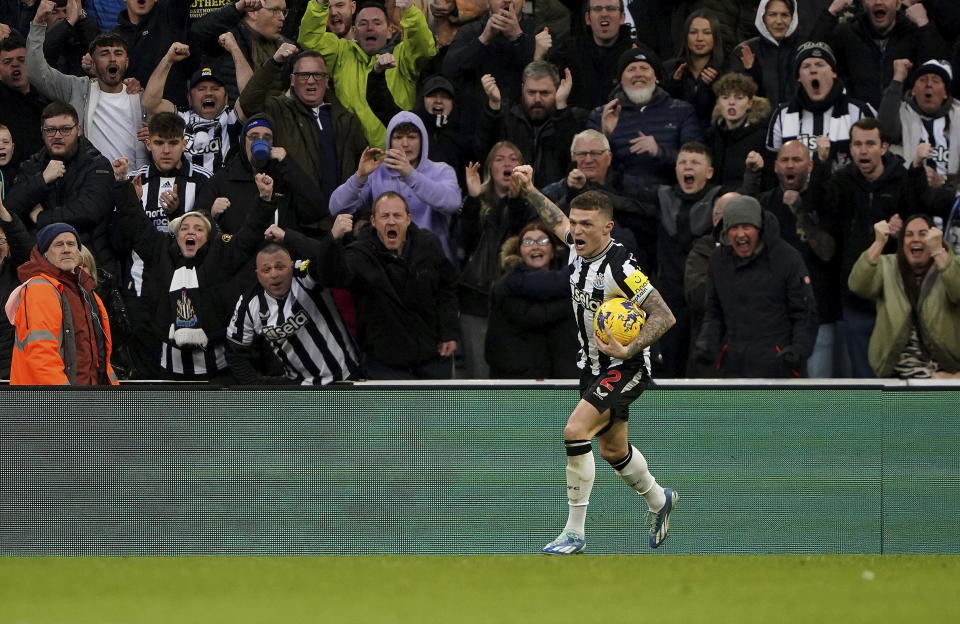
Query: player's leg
x,y
583,424
630,464
632,467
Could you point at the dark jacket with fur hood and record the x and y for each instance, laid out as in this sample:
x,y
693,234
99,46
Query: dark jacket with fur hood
x,y
531,332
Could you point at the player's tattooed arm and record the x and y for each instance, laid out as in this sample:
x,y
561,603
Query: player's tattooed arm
x,y
551,216
659,320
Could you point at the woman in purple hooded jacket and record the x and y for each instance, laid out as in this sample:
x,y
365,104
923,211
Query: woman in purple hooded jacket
x,y
429,188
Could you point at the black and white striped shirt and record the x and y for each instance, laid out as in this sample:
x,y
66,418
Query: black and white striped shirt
x,y
611,273
791,122
304,329
209,140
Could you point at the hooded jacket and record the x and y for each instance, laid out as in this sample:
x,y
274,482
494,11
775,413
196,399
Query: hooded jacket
x,y
773,60
759,309
531,333
938,311
671,122
62,333
430,190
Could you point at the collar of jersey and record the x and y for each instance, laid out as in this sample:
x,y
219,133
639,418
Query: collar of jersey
x,y
605,250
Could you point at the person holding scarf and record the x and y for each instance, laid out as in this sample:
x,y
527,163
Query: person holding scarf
x,y
188,274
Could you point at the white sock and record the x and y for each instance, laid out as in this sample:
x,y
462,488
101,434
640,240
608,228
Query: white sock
x,y
581,471
633,470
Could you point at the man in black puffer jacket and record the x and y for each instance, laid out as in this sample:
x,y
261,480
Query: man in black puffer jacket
x,y
67,181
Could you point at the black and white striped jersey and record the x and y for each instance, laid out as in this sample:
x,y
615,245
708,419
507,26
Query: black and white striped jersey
x,y
209,140
936,132
611,273
189,179
790,122
304,329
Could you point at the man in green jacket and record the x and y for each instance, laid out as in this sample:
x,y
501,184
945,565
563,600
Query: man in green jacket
x,y
349,62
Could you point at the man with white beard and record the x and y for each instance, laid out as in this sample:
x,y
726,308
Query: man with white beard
x,y
645,126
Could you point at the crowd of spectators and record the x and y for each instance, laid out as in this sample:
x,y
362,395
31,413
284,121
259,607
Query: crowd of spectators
x,y
304,191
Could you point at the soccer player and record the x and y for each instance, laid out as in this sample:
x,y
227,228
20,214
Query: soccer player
x,y
614,375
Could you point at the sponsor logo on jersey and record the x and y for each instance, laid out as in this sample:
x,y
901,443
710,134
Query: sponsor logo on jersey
x,y
584,299
289,327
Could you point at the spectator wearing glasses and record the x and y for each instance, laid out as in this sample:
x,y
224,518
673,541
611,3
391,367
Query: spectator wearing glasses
x,y
254,25
324,138
591,156
67,181
531,333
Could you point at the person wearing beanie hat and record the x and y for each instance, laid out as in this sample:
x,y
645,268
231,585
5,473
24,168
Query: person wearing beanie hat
x,y
867,44
743,210
49,232
820,114
761,314
645,126
926,116
640,54
231,194
62,333
813,49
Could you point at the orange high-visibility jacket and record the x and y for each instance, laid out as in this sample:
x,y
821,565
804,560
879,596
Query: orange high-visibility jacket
x,y
44,349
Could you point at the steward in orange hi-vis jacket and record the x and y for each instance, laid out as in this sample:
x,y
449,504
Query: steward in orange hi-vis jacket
x,y
62,334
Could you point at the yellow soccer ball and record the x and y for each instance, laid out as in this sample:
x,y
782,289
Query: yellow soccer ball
x,y
621,317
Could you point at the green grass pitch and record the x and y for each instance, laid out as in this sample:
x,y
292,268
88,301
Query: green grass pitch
x,y
502,588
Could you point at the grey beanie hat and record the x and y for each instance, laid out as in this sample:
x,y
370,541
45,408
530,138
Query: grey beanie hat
x,y
743,209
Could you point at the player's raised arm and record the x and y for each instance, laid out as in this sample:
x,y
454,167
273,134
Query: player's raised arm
x,y
659,320
551,216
